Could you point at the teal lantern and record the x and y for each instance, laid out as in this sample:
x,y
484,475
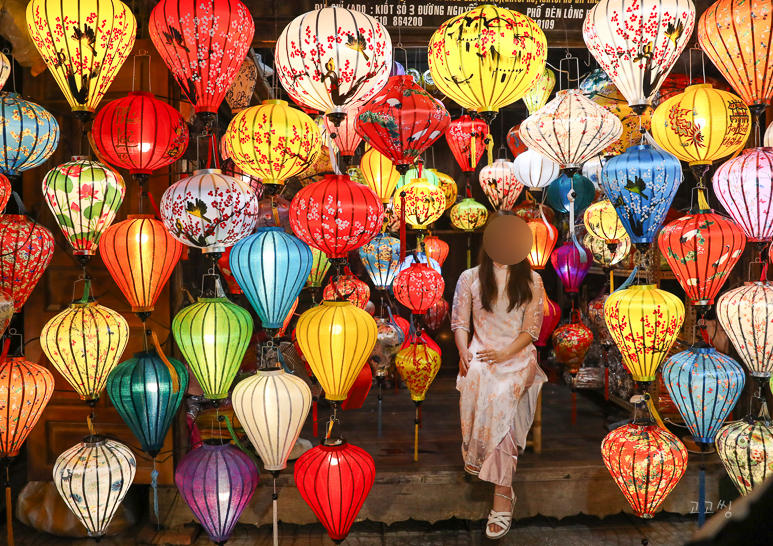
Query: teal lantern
x,y
559,191
29,135
381,258
146,394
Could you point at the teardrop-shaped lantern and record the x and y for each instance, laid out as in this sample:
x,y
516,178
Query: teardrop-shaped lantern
x,y
565,190
418,365
468,215
544,237
424,203
436,249
345,137
30,137
500,184
418,287
602,222
746,449
465,137
349,288
319,268
240,93
381,259
744,314
539,93
379,174
28,248
534,170
571,265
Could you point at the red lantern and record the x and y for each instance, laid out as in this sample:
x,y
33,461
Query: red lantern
x,y
423,339
466,138
346,137
436,315
402,121
203,44
335,480
336,215
27,249
140,133
436,248
359,391
5,191
544,237
418,287
347,287
550,318
571,342
514,141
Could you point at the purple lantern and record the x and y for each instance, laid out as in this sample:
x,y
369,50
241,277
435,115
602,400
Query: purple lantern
x,y
571,265
397,69
217,481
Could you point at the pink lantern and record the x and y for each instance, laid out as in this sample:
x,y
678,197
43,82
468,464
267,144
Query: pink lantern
x,y
550,318
571,264
345,136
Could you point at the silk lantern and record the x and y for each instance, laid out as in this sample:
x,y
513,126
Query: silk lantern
x,y
468,215
83,45
6,311
571,265
421,202
534,170
83,196
147,392
28,248
25,389
644,322
418,287
217,481
240,93
319,268
602,222
30,135
746,450
448,185
436,315
334,479
637,44
539,93
336,337
347,287
564,191
418,257
551,316
487,58
514,142
646,462
5,190
500,184
140,133
229,168
598,324
271,268
466,137
544,237
704,385
5,69
744,313
93,477
345,136
379,174
436,249
381,259
413,174
601,252
224,268
185,32
571,342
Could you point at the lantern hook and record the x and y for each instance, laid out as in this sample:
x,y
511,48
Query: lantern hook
x,y
141,53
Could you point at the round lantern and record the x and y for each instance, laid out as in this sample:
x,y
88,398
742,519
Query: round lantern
x,y
217,482
273,141
571,129
500,184
209,210
84,343
602,222
644,322
592,169
544,237
5,190
83,45
28,248
30,134
213,335
646,462
389,340
704,385
466,136
534,170
436,315
746,449
571,264
25,389
336,215
240,93
140,133
413,174
641,184
601,252
418,365
6,311
271,268
551,316
564,191
448,185
606,95
319,268
336,337
381,258
147,393
637,44
186,32
537,97
93,477
436,249
346,138
514,142
349,288
571,343
83,196
332,59
272,406
379,174
423,203
418,287
744,313
468,215
334,479
487,58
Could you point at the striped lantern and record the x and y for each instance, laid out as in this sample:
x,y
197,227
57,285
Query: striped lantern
x,y
379,174
746,315
534,170
746,449
544,237
500,184
571,264
345,136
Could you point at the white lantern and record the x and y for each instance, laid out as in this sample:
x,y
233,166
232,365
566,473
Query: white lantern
x,y
272,406
746,314
333,58
592,169
500,184
209,210
637,42
746,449
5,69
93,478
239,95
768,139
571,129
534,170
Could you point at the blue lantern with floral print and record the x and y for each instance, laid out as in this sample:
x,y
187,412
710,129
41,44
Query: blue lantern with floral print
x,y
381,258
29,135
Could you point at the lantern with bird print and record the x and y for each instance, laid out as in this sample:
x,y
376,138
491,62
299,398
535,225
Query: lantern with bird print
x,y
435,248
466,136
539,93
745,448
744,313
544,237
420,202
30,135
381,258
28,248
418,287
534,170
379,174
500,184
571,262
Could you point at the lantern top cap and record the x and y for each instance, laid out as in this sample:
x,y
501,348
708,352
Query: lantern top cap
x,y
141,94
275,101
638,147
330,303
77,304
269,228
215,444
699,86
213,300
207,171
271,372
643,287
141,217
150,353
702,350
94,440
339,445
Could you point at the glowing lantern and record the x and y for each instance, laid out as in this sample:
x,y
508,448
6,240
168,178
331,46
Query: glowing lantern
x,y
84,46
487,58
448,185
319,268
742,312
601,252
273,141
637,44
514,142
347,287
25,389
30,134
379,174
544,237
602,222
644,322
240,93
418,257
746,449
436,315
334,479
551,316
346,138
217,482
147,393
140,133
229,168
28,248
564,191
83,196
571,264
466,138
500,184
537,96
5,189
422,202
534,170
381,258
646,462
93,477
571,343
418,287
5,69
436,249
413,174
6,311
418,365
468,215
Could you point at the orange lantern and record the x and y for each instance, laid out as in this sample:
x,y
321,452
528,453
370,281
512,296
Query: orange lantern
x,y
544,237
571,342
436,248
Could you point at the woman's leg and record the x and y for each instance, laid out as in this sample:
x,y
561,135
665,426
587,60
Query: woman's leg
x,y
499,468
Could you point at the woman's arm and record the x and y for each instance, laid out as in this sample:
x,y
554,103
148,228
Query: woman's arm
x,y
462,338
460,320
490,356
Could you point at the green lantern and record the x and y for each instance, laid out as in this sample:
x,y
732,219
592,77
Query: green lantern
x,y
413,173
319,267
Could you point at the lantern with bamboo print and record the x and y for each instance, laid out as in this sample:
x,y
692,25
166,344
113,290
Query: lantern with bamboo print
x,y
420,203
30,137
379,174
500,184
28,248
381,258
745,448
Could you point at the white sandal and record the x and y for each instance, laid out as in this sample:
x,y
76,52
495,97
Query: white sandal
x,y
503,520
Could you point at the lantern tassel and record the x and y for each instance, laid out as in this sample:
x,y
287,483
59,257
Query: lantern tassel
x,y
274,502
154,485
702,494
402,227
472,150
416,435
490,148
8,507
173,377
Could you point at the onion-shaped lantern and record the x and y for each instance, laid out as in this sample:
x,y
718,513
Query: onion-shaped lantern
x,y
571,342
744,314
539,93
571,264
436,249
646,462
381,258
466,136
551,316
379,174
564,191
421,202
347,287
319,268
347,139
644,322
500,184
436,315
93,477
28,248
602,222
746,449
534,170
603,254
418,287
240,93
30,135
468,215
544,237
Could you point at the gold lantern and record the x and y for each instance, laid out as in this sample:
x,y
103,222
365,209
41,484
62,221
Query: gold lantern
x,y
448,185
423,203
602,222
379,174
538,95
603,254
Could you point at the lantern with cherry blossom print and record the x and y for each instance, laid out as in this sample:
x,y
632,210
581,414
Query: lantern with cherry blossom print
x,y
347,287
500,184
422,203
571,263
745,313
468,215
28,248
539,93
379,174
345,136
572,342
381,258
186,31
467,139
436,249
436,315
418,287
746,450
551,316
544,237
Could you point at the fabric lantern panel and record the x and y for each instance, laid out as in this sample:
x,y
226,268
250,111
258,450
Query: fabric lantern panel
x,y
381,259
379,174
28,248
500,184
418,287
468,215
466,138
746,450
319,268
601,252
418,257
571,265
239,95
534,170
30,137
346,137
539,93
418,365
560,189
448,185
347,287
602,222
436,315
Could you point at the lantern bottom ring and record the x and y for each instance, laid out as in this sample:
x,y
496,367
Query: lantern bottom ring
x,y
644,379
219,249
760,375
275,468
145,309
699,440
80,252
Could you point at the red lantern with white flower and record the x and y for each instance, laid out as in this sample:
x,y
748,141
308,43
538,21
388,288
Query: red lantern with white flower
x,y
466,138
418,287
28,248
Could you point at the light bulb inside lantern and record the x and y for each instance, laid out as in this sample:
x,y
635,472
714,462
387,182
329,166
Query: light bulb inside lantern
x,y
145,146
209,338
141,238
334,461
337,329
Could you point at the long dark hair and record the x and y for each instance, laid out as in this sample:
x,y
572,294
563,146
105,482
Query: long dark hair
x,y
519,278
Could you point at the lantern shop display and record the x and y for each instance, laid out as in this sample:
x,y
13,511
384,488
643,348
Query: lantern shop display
x,y
93,477
28,248
83,45
742,311
345,136
571,343
381,259
559,194
646,462
420,202
571,263
418,287
464,58
602,222
436,249
534,170
551,316
347,287
537,97
379,174
468,215
319,268
500,184
239,95
30,137
601,252
746,450
514,142
436,315
466,136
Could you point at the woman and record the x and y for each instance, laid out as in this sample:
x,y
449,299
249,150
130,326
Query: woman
x,y
499,379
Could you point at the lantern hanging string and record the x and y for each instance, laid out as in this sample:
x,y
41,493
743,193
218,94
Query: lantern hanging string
x,y
142,53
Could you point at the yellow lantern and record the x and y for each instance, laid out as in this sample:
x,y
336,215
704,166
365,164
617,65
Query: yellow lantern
x,y
602,253
336,338
487,58
538,95
418,365
379,174
84,44
644,322
423,203
448,185
602,222
468,215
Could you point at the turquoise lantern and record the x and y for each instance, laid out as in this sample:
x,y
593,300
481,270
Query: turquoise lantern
x,y
558,195
29,135
271,267
146,392
381,258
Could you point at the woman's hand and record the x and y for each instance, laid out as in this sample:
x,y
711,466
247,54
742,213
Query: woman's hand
x,y
490,356
465,357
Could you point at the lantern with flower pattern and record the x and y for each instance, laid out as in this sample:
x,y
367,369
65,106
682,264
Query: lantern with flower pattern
x,y
28,248
602,222
30,135
468,215
421,202
381,258
500,184
744,313
466,136
746,450
601,252
571,343
418,287
347,287
448,185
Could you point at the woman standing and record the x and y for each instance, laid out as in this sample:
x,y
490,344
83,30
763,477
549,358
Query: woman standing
x,y
499,379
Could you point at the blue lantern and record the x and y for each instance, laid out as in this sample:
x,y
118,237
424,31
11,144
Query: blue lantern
x,y
29,135
271,267
142,390
641,184
561,187
420,257
381,257
705,385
